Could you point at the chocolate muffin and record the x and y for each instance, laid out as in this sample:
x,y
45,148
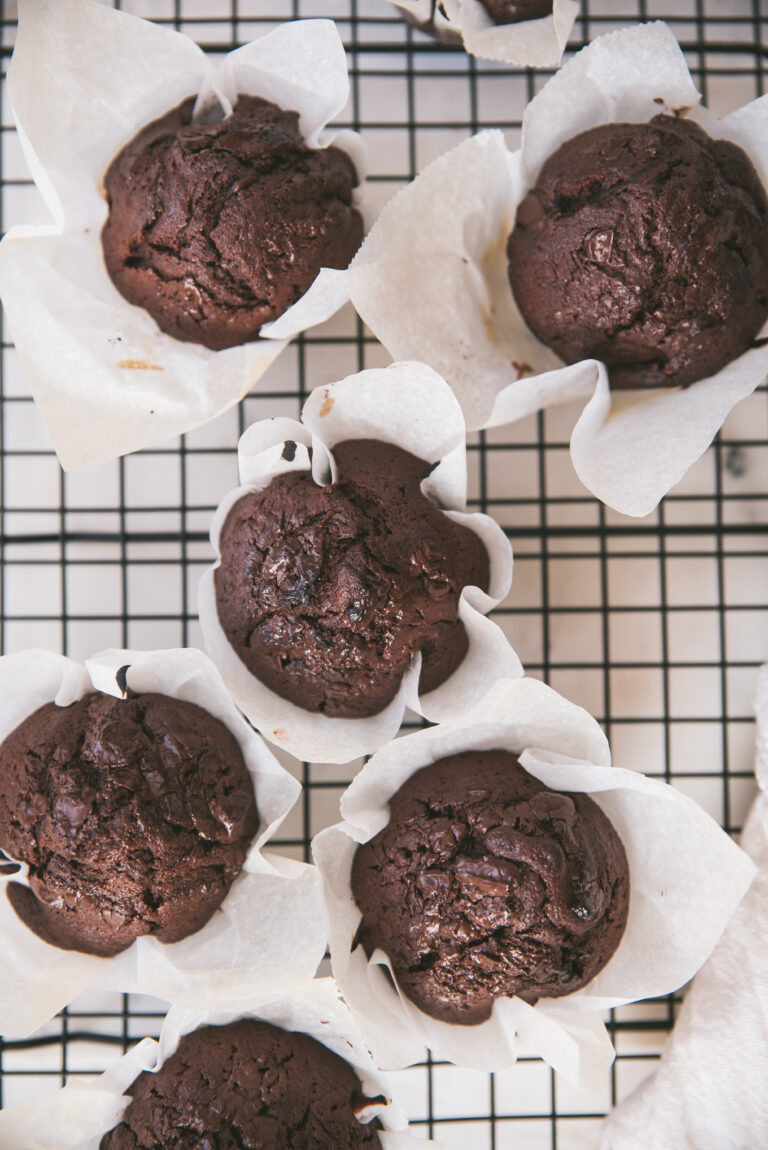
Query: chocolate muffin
x,y
248,1085
500,12
325,593
515,11
134,816
645,246
485,883
216,229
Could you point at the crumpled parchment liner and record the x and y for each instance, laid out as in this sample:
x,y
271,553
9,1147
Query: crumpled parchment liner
x,y
268,933
89,1110
409,405
83,80
709,1089
686,879
431,278
531,43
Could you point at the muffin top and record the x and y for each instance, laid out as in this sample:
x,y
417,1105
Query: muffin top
x,y
134,816
644,246
326,593
486,883
218,228
246,1086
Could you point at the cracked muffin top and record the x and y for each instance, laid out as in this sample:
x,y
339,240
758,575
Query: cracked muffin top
x,y
133,815
251,1086
218,228
325,593
644,246
485,883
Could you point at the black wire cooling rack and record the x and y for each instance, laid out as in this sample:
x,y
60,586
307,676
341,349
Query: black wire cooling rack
x,y
656,625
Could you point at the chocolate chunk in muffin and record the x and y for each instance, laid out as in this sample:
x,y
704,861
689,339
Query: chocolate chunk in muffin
x,y
486,883
325,593
216,229
644,246
248,1085
134,816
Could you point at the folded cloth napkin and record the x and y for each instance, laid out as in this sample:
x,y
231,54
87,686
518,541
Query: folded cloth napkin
x,y
710,1091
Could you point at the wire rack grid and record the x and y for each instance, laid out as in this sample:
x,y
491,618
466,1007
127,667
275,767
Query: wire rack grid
x,y
657,626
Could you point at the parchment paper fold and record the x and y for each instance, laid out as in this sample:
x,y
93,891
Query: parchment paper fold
x,y
267,935
83,80
431,278
686,879
409,405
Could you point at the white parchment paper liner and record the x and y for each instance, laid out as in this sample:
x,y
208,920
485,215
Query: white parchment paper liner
x,y
409,405
431,278
268,934
531,43
84,79
79,1115
709,1091
686,878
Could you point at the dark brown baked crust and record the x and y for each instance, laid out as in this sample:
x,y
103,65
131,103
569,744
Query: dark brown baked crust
x,y
515,11
325,593
134,815
645,246
485,883
246,1086
216,229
